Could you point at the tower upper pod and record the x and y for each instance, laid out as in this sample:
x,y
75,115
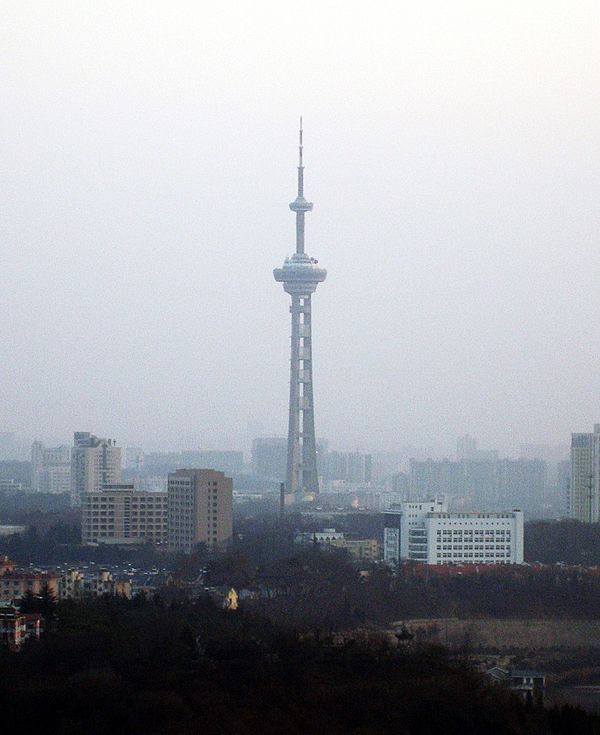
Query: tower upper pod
x,y
301,205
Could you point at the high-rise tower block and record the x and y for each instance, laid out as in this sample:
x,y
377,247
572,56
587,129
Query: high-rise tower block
x,y
300,276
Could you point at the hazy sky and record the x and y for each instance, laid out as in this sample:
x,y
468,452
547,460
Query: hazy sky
x,y
148,158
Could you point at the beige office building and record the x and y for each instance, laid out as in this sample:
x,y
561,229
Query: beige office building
x,y
199,509
94,463
119,514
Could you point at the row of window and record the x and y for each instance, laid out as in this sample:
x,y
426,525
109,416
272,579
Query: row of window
x,y
476,547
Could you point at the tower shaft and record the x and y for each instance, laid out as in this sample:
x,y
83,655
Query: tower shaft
x,y
302,475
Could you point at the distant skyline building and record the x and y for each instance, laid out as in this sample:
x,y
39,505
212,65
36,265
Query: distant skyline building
x,y
352,467
472,484
134,458
585,476
94,463
300,276
269,457
466,449
50,469
230,462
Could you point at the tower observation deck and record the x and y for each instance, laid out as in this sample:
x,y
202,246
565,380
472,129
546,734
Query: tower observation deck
x,y
300,276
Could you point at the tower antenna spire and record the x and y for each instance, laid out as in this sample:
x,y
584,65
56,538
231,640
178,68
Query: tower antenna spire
x,y
300,206
300,162
300,146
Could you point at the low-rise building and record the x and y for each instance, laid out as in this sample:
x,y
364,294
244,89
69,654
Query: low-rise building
x,y
326,536
17,627
15,583
78,585
359,548
368,549
426,532
530,685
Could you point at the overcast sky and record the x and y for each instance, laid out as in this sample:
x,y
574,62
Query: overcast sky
x,y
148,157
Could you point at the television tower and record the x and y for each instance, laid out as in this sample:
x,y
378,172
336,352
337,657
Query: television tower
x,y
300,276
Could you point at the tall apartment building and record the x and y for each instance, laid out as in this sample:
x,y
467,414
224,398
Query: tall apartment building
x,y
94,463
425,531
585,476
119,514
50,468
199,509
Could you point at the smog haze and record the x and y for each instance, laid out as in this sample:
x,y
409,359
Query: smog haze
x,y
149,156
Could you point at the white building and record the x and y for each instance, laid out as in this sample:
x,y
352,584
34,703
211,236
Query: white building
x,y
425,531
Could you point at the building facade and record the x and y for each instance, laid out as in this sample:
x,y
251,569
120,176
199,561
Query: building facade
x,y
584,486
199,509
424,531
119,514
94,463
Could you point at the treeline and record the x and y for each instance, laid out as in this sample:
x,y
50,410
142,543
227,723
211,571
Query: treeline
x,y
567,541
60,543
323,588
123,666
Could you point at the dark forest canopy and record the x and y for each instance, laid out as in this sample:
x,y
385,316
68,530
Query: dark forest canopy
x,y
123,666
